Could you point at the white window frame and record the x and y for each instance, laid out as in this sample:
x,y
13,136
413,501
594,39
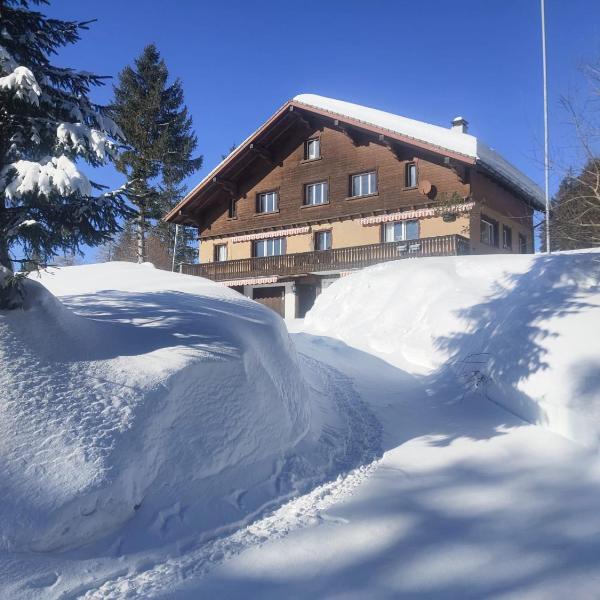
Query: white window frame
x,y
327,234
522,244
410,168
268,202
390,228
505,245
314,198
364,184
220,252
489,226
312,149
272,247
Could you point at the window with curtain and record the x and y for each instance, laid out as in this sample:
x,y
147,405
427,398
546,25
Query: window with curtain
x,y
364,184
269,247
410,175
315,193
220,252
323,240
312,149
267,202
400,231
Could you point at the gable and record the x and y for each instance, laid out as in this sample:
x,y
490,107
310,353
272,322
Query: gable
x,y
393,131
341,157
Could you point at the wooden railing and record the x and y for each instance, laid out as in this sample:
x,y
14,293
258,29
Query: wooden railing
x,y
353,257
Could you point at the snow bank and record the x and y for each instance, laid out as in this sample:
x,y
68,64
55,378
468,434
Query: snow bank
x,y
527,327
158,402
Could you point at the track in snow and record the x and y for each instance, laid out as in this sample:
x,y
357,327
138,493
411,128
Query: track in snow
x,y
353,447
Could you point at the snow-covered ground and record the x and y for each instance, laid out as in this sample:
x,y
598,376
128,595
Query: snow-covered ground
x,y
462,370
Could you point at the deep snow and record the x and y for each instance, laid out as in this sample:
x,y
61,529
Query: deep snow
x,y
145,410
469,500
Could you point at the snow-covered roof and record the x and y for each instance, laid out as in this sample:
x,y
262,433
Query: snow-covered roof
x,y
444,138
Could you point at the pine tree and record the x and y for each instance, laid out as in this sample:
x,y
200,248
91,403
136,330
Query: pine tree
x,y
48,122
160,140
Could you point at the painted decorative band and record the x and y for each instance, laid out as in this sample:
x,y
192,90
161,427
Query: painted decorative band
x,y
254,281
269,234
417,214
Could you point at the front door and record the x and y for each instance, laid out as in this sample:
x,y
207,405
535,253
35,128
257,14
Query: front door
x,y
273,297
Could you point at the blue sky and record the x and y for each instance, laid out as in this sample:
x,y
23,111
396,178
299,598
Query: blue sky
x,y
429,60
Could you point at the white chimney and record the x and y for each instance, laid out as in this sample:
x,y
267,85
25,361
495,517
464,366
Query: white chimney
x,y
460,125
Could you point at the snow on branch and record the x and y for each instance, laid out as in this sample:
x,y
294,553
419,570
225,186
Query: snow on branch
x,y
82,139
51,176
24,85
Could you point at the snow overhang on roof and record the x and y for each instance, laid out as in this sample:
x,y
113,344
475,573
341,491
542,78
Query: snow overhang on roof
x,y
462,146
445,139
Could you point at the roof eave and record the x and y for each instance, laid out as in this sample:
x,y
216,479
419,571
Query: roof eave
x,y
528,197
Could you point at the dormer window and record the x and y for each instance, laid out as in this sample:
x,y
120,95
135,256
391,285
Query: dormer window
x,y
312,149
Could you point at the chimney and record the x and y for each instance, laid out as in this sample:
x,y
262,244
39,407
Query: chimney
x,y
459,125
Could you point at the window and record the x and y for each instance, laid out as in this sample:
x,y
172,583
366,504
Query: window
x,y
231,213
506,237
312,149
489,232
269,247
364,184
220,252
315,193
522,244
401,231
323,240
410,175
267,202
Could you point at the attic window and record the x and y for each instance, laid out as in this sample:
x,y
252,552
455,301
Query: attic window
x,y
231,212
312,149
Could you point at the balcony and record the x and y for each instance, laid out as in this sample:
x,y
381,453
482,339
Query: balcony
x,y
322,261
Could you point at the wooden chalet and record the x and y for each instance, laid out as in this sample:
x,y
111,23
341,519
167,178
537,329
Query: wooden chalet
x,y
325,187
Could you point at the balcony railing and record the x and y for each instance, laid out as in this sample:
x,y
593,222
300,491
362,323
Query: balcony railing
x,y
353,257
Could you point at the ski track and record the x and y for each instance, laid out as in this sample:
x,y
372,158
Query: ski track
x,y
353,458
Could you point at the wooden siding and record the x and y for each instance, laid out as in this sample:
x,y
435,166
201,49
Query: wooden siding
x,y
503,206
341,158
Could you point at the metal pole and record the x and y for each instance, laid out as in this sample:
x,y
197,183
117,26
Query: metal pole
x,y
175,247
546,162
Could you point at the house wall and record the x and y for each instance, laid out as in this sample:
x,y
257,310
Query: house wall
x,y
503,206
341,158
343,234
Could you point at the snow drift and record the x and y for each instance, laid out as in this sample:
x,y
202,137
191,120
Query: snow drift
x,y
165,401
526,328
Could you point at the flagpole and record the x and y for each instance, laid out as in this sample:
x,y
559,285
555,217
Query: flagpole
x,y
546,162
175,247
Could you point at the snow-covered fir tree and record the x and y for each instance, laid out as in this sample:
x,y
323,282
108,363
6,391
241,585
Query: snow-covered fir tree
x,y
161,143
48,124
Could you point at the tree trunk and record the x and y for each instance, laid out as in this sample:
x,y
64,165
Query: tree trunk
x,y
4,255
141,231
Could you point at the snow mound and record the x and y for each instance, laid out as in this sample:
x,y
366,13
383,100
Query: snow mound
x,y
523,328
152,402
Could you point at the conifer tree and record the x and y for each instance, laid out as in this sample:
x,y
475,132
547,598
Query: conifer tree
x,y
48,122
158,128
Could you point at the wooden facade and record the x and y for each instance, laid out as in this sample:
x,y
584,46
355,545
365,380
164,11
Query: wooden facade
x,y
225,206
